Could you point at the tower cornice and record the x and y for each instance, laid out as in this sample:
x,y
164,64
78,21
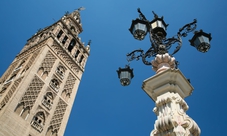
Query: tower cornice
x,y
78,40
74,21
57,49
170,80
62,50
66,27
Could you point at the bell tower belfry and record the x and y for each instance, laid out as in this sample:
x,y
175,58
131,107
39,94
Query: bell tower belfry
x,y
38,89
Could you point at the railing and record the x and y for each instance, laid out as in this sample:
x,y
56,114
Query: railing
x,y
59,74
54,87
47,104
37,126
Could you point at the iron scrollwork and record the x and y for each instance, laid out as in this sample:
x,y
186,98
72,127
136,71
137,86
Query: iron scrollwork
x,y
160,44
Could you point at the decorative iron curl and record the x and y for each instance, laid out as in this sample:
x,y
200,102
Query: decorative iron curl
x,y
170,41
160,45
190,27
134,56
141,15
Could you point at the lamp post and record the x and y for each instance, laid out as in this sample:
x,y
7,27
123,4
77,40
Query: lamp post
x,y
168,87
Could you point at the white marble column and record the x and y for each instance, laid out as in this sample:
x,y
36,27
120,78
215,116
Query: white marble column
x,y
168,88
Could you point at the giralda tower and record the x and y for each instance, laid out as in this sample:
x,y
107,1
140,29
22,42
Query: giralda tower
x,y
38,89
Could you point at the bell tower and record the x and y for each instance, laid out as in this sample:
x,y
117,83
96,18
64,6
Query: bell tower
x,y
38,89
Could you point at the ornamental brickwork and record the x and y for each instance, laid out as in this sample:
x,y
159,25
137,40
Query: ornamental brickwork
x,y
38,89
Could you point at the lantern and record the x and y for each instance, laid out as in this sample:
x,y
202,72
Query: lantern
x,y
158,26
139,29
201,41
125,75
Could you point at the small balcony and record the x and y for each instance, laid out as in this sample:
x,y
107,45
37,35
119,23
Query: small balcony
x,y
54,87
47,104
37,126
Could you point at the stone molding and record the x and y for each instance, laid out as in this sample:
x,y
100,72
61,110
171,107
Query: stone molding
x,y
170,80
172,119
168,88
162,62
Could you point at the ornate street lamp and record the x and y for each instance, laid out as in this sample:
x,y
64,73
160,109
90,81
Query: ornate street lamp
x,y
201,41
158,26
159,43
125,75
168,87
139,29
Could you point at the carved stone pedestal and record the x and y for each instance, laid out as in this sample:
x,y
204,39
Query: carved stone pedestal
x,y
168,88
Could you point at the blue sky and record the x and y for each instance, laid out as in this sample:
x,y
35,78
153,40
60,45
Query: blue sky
x,y
105,108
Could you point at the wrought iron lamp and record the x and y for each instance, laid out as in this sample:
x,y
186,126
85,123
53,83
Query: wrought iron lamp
x,y
125,75
159,43
201,41
139,29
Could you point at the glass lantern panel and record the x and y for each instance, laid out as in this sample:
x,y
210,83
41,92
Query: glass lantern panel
x,y
139,31
205,39
160,24
157,23
125,74
201,39
202,43
154,25
125,78
197,42
141,27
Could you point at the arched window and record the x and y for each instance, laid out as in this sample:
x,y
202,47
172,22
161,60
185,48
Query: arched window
x,y
77,18
77,53
40,71
81,58
22,111
11,78
3,90
71,45
41,35
60,71
45,74
51,132
19,109
72,28
25,113
48,100
22,73
54,84
65,95
38,121
55,133
20,66
64,40
59,34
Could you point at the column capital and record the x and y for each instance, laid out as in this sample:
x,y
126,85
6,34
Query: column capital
x,y
170,80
